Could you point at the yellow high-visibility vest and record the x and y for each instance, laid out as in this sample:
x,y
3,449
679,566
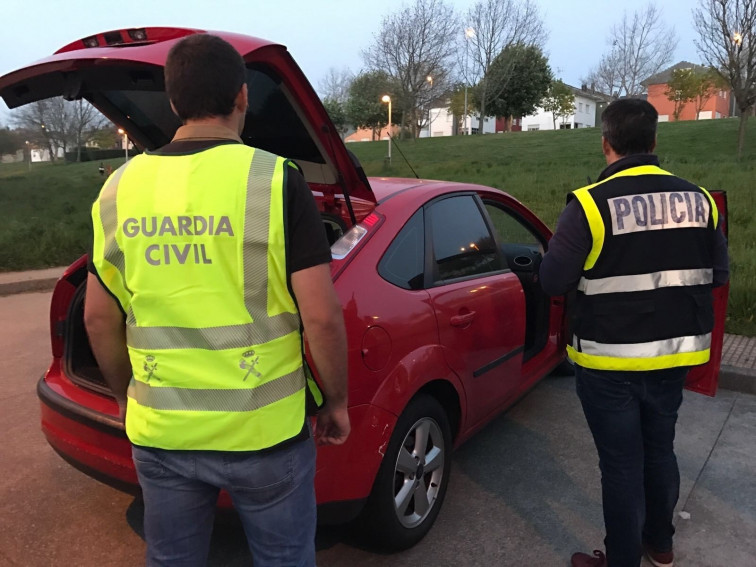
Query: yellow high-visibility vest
x,y
193,248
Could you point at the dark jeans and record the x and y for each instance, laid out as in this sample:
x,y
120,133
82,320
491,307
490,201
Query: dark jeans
x,y
632,416
272,491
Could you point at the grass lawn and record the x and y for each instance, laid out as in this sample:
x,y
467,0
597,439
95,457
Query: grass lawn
x,y
47,208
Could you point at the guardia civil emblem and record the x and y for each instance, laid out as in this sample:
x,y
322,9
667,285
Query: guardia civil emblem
x,y
150,366
248,363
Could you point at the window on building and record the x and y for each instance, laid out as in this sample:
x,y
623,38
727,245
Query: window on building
x,y
533,127
580,107
587,108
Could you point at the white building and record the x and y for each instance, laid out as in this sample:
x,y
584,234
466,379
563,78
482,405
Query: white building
x,y
441,123
588,107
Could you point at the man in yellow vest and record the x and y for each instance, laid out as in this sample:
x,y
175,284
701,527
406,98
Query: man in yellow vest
x,y
642,248
208,258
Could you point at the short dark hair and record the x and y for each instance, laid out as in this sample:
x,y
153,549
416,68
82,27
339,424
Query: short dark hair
x,y
629,125
203,76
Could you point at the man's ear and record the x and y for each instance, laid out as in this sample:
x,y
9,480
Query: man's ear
x,y
242,99
606,146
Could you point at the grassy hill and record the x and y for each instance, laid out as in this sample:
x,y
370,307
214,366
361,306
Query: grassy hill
x,y
540,168
47,209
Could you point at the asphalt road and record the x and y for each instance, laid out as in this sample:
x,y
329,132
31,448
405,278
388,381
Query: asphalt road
x,y
524,491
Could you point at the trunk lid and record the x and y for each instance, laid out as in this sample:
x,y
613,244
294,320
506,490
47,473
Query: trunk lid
x,y
121,73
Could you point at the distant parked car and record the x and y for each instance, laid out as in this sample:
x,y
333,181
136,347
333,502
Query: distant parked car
x,y
447,324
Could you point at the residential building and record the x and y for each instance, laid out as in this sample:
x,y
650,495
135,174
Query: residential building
x,y
718,106
588,103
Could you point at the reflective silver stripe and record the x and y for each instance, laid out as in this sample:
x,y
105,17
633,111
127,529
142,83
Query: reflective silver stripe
x,y
212,338
189,399
645,282
256,228
109,219
651,349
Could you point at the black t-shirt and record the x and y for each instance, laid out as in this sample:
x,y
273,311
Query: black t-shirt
x,y
306,241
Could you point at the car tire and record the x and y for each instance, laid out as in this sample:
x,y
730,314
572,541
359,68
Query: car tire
x,y
411,483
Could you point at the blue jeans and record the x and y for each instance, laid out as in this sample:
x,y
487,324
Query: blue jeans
x,y
272,491
632,417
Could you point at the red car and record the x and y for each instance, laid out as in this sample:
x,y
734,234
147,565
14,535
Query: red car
x,y
447,324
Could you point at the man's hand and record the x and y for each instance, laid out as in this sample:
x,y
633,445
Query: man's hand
x,y
332,426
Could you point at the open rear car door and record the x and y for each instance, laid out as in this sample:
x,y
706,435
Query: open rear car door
x,y
705,378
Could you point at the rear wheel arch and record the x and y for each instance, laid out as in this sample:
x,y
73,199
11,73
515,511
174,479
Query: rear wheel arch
x,y
446,394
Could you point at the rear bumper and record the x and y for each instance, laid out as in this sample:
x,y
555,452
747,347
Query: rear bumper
x,y
96,444
93,442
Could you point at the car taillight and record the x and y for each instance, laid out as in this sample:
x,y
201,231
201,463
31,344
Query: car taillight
x,y
354,238
348,242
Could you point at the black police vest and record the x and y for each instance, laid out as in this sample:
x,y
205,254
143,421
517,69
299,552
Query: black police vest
x,y
644,301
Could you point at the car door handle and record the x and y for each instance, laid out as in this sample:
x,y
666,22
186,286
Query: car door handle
x,y
462,320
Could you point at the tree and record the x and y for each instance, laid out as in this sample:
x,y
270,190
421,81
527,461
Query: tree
x,y
559,100
641,46
337,113
727,42
10,142
412,45
84,121
364,108
707,83
457,105
335,85
681,89
57,124
494,26
519,77
106,137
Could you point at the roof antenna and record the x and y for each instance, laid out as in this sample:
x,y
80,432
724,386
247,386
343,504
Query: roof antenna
x,y
393,139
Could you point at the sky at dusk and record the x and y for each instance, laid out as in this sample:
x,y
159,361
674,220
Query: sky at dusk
x,y
319,34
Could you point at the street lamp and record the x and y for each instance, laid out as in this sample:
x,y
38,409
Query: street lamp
x,y
28,151
469,34
125,142
430,105
387,98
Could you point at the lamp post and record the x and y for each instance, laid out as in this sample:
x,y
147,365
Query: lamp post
x,y
28,151
469,33
430,105
125,142
387,98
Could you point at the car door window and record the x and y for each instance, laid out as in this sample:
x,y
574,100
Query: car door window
x,y
509,229
403,262
462,244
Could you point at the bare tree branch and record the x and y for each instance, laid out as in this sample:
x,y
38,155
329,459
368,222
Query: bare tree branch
x,y
335,85
641,46
496,25
412,45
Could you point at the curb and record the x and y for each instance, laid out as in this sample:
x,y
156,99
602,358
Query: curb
x,y
28,286
741,380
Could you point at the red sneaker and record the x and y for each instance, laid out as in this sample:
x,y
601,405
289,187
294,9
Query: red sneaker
x,y
659,559
585,560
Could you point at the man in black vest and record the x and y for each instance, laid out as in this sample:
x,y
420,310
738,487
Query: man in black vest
x,y
642,248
